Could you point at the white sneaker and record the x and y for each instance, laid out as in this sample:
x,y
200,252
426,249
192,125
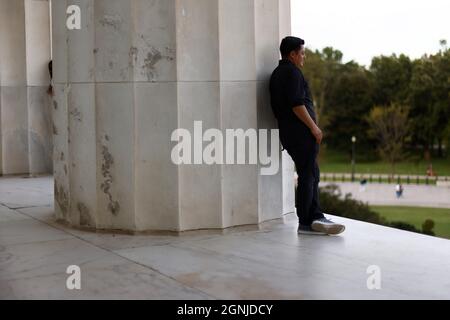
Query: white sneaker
x,y
308,230
327,226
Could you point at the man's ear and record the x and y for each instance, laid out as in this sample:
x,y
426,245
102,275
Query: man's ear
x,y
291,55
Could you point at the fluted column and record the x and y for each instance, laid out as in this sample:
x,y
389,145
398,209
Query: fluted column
x,y
26,125
137,71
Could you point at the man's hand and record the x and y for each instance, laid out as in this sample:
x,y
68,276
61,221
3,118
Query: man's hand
x,y
317,133
304,116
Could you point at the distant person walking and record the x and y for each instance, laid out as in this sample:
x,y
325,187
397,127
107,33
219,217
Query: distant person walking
x,y
399,190
363,184
430,171
300,135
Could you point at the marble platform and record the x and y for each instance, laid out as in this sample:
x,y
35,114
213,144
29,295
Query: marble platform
x,y
269,262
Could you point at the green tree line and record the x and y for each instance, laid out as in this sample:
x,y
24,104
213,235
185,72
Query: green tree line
x,y
410,97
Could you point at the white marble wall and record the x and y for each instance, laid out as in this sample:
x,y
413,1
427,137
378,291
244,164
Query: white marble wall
x,y
288,167
25,108
135,72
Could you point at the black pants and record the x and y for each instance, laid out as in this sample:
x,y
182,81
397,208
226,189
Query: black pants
x,y
307,194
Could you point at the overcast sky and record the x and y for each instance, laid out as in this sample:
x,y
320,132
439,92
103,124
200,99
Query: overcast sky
x,y
362,29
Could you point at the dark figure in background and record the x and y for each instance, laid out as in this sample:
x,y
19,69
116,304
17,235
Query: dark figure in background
x,y
399,190
293,107
363,184
50,91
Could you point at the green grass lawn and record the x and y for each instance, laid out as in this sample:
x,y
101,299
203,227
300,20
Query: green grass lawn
x,y
335,162
416,216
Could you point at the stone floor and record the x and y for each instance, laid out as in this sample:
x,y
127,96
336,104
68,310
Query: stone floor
x,y
272,262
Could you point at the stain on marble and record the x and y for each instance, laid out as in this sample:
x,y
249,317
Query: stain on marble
x,y
243,287
107,163
62,198
112,21
76,115
85,217
133,57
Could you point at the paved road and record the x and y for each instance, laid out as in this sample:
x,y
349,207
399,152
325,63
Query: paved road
x,y
384,194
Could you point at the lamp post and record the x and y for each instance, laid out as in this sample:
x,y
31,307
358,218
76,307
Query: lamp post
x,y
353,158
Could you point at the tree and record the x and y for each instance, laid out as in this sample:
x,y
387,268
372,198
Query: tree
x,y
341,93
392,76
429,101
321,70
440,117
344,93
348,100
389,125
420,102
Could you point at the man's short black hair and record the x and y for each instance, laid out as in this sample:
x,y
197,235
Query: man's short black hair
x,y
290,44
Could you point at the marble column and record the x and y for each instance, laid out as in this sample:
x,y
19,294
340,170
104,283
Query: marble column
x,y
25,110
288,167
136,71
